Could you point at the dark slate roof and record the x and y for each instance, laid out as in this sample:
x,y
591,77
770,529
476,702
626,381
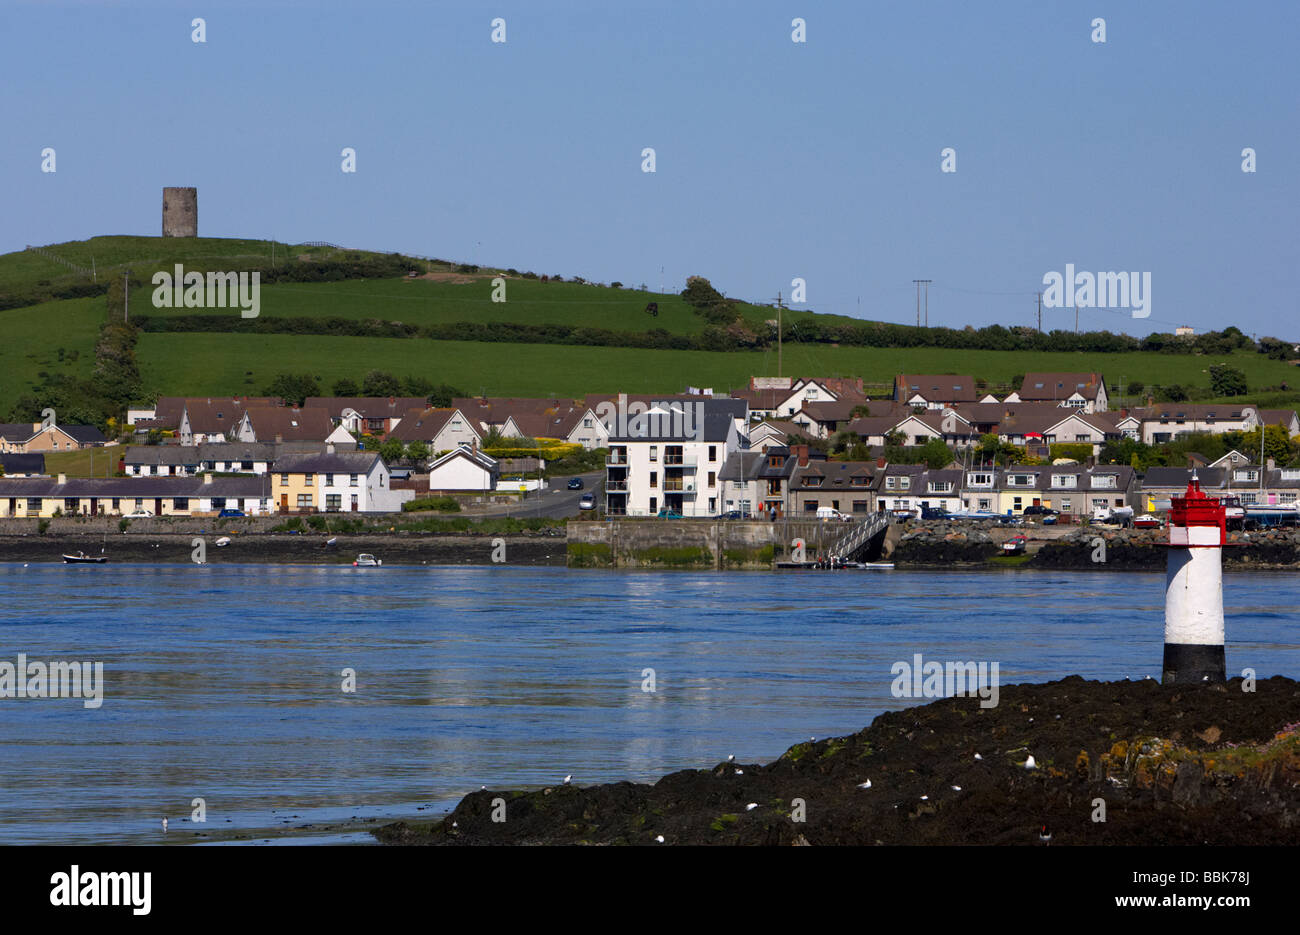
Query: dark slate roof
x,y
670,421
245,485
325,462
1179,477
161,454
23,464
85,434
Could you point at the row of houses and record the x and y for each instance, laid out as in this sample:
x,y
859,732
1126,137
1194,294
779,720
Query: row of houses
x,y
324,480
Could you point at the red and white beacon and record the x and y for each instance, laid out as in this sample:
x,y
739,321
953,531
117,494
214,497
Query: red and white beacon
x,y
1194,589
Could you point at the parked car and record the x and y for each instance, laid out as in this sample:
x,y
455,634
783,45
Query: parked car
x,y
1038,509
669,514
588,502
902,516
575,483
735,514
228,513
139,514
934,512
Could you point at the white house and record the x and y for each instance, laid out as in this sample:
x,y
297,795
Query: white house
x,y
464,470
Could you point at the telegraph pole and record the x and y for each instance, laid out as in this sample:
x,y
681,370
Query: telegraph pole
x,y
1040,311
1076,317
918,301
779,307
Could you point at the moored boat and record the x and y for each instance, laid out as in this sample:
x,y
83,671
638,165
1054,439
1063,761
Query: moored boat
x,y
81,558
366,560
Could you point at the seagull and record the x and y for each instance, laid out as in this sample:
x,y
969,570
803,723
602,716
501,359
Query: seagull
x,y
865,785
568,779
164,824
812,739
1044,835
751,806
482,788
978,757
731,758
1030,764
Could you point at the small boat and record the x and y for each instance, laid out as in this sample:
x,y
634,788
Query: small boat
x,y
81,558
1014,546
223,542
366,560
1146,521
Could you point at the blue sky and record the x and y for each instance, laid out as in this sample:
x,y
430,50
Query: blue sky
x,y
774,160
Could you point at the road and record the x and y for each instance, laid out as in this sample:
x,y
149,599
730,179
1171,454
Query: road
x,y
557,503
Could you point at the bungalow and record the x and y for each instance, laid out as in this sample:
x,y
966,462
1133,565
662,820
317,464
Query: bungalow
x,y
370,415
27,437
934,391
158,496
161,460
464,470
22,465
283,423
440,429
1086,391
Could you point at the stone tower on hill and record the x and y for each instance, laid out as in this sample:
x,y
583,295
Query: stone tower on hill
x,y
180,212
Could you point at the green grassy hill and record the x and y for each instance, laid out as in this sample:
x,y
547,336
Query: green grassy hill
x,y
58,336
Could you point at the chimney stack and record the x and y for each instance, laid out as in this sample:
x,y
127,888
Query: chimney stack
x,y
63,478
207,478
801,452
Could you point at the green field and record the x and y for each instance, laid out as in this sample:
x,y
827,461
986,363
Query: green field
x,y
204,363
226,363
33,337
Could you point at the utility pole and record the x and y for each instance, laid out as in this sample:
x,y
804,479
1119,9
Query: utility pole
x,y
779,306
1040,311
918,301
1076,317
927,301
126,296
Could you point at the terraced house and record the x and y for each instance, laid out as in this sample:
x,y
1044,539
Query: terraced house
x,y
205,495
335,482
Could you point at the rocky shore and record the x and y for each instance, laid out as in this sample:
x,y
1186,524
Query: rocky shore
x,y
543,547
1164,765
948,545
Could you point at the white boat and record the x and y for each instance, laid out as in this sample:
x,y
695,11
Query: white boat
x,y
223,541
366,560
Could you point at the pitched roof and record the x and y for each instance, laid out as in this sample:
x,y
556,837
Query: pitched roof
x,y
23,464
368,407
425,424
243,485
1058,386
699,420
941,387
272,422
327,462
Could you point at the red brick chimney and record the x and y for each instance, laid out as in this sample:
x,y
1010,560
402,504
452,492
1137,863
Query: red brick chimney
x,y
801,451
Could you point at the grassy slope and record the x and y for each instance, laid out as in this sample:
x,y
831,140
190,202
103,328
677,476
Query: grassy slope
x,y
215,363
233,363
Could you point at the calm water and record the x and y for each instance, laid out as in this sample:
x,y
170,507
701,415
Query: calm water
x,y
224,681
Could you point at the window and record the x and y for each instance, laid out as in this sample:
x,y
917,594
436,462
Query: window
x,y
245,465
1107,481
139,503
309,478
1065,480
904,483
654,478
218,503
1017,504
117,503
940,486
713,452
34,504
181,503
304,501
654,505
859,506
860,480
70,504
654,453
329,480
333,502
352,482
980,479
1020,480
713,479
891,483
713,504
813,481
810,506
985,503
284,480
1065,504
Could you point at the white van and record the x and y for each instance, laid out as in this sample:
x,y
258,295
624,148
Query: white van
x,y
830,513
